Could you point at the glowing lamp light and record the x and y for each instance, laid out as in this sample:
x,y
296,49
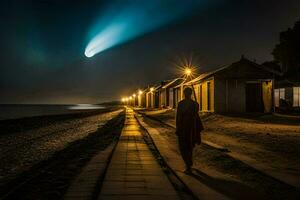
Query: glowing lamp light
x,y
188,71
123,100
134,95
140,92
151,89
130,98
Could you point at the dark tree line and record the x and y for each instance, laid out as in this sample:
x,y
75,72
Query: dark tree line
x,y
287,52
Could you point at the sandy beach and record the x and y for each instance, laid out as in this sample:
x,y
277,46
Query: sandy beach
x,y
237,142
31,144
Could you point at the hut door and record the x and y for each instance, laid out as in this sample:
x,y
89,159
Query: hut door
x,y
254,100
171,98
156,100
267,96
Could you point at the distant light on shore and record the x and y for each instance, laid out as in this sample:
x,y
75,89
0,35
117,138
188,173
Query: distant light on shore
x,y
85,107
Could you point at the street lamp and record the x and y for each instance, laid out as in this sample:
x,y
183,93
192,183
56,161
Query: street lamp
x,y
188,71
126,100
123,100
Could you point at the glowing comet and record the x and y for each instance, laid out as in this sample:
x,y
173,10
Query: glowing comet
x,y
125,20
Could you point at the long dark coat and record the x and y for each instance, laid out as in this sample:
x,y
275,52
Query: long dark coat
x,y
188,123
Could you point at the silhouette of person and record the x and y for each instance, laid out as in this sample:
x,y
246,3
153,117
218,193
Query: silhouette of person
x,y
188,127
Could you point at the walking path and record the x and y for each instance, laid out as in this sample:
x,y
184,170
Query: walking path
x,y
176,163
284,176
133,172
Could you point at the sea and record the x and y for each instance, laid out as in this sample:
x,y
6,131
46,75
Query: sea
x,y
14,111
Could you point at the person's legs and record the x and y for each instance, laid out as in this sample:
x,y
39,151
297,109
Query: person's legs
x,y
186,153
188,160
190,157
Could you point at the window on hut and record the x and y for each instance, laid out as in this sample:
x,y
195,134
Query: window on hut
x,y
296,96
279,94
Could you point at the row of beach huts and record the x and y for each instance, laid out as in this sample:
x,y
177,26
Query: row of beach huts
x,y
243,86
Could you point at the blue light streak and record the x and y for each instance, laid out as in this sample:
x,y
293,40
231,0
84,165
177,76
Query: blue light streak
x,y
125,20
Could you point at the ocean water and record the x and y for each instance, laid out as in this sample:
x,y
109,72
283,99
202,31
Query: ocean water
x,y
15,111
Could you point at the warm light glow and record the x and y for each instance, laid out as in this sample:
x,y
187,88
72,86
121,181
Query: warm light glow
x,y
188,71
123,100
187,66
130,97
140,92
134,95
151,89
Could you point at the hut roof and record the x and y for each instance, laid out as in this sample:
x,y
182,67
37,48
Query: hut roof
x,y
173,83
206,75
224,67
154,86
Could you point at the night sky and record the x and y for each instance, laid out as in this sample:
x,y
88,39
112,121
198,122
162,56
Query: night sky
x,y
42,45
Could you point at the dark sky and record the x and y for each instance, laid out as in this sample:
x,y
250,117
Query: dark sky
x,y
42,45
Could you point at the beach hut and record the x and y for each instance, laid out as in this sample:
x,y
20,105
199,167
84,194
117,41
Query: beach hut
x,y
177,90
153,96
167,95
156,95
142,97
149,97
243,86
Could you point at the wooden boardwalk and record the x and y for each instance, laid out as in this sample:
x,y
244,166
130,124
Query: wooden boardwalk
x,y
133,172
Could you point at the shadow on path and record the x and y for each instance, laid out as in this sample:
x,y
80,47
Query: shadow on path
x,y
232,189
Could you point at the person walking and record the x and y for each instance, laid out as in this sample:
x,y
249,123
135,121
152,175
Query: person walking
x,y
188,127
